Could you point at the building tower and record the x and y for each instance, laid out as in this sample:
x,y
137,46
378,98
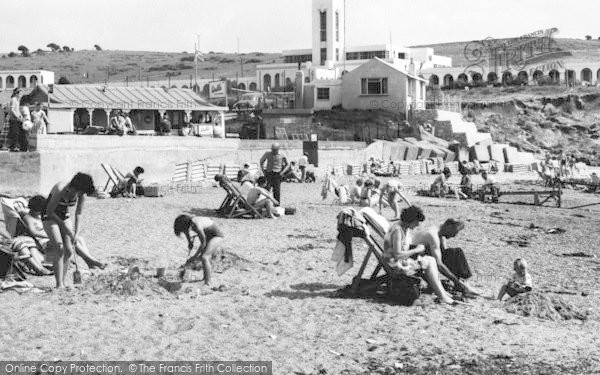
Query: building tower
x,y
328,37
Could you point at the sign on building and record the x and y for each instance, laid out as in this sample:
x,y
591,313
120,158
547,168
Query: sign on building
x,y
217,89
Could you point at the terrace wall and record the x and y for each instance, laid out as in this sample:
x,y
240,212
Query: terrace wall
x,y
59,157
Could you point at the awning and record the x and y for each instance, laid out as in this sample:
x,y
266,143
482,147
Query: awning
x,y
128,98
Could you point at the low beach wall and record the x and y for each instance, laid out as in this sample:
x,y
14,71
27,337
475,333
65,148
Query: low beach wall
x,y
59,157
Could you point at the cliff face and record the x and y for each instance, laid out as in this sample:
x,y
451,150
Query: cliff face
x,y
568,123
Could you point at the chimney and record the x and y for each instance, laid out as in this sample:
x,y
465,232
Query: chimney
x,y
411,68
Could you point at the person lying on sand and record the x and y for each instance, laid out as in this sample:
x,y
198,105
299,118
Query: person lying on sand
x,y
450,262
398,254
35,228
260,198
209,235
391,191
57,221
519,282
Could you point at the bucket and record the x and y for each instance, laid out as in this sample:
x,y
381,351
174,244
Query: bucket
x,y
160,272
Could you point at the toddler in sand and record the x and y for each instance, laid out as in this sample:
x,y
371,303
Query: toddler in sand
x,y
519,282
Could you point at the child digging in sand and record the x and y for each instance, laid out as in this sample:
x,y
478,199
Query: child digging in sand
x,y
519,282
210,237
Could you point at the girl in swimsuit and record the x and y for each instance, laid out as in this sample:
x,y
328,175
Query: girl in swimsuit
x,y
35,228
57,222
208,233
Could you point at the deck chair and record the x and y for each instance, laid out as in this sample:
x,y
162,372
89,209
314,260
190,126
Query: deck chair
x,y
112,178
10,254
401,288
235,204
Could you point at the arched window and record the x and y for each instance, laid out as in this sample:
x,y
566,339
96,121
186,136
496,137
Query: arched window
x,y
22,82
266,82
10,82
277,80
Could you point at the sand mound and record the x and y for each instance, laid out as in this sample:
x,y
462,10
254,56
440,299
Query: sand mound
x,y
122,285
543,306
222,261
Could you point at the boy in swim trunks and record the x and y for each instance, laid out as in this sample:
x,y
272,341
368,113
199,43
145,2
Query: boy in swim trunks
x,y
210,236
391,191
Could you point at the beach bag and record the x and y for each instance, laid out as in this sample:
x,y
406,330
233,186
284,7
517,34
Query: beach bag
x,y
455,260
404,290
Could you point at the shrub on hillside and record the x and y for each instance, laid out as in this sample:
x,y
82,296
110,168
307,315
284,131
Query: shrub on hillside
x,y
187,58
12,54
63,81
253,61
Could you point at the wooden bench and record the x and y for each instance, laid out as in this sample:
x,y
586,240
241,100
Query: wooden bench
x,y
539,196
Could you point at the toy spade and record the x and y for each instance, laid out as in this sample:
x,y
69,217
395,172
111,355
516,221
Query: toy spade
x,y
76,273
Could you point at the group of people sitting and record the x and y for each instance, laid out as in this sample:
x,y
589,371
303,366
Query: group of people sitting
x,y
120,123
369,192
441,187
46,232
426,253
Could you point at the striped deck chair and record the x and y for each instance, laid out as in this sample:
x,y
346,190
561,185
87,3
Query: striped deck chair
x,y
402,289
235,204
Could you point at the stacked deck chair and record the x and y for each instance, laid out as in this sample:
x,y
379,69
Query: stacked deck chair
x,y
384,280
235,204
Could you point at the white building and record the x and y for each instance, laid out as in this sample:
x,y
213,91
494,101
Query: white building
x,y
11,79
329,58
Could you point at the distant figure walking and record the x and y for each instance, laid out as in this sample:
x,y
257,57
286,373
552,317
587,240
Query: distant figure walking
x,y
276,167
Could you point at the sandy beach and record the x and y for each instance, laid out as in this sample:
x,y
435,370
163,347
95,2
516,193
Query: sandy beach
x,y
274,294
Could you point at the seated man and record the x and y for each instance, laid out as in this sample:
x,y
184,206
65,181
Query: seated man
x,y
260,198
355,191
133,182
450,262
243,172
116,124
465,190
410,262
440,187
490,185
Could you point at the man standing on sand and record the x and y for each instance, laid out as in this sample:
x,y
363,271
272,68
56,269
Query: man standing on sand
x,y
276,168
302,164
451,263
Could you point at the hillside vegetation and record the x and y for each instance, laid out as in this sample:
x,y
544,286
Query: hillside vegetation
x,y
95,66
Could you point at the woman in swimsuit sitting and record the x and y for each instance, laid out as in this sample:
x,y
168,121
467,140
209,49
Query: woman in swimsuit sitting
x,y
210,237
35,228
57,221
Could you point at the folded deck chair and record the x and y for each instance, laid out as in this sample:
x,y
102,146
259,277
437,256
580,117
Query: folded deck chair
x,y
112,178
401,288
235,204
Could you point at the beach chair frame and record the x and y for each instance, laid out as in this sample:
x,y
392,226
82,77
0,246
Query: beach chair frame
x,y
235,204
396,282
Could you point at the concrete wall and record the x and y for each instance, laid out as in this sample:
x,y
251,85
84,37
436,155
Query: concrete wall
x,y
59,157
19,172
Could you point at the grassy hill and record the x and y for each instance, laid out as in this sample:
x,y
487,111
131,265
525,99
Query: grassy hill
x,y
121,64
581,49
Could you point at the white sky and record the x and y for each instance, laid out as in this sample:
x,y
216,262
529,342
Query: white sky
x,y
274,25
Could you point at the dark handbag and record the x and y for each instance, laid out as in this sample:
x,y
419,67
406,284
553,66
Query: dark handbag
x,y
455,260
